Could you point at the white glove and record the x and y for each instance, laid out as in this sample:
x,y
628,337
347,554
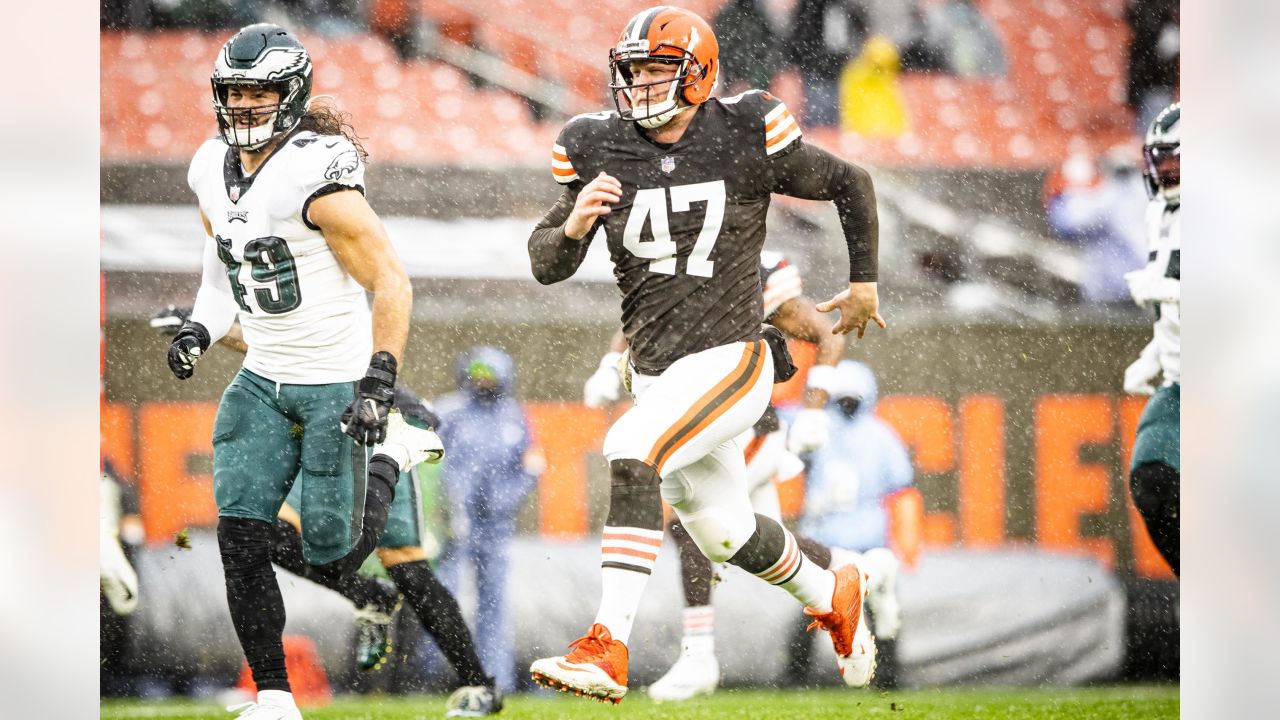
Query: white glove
x,y
1147,286
118,579
809,430
1139,377
604,386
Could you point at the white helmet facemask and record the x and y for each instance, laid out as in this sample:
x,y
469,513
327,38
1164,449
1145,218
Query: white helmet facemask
x,y
655,115
250,138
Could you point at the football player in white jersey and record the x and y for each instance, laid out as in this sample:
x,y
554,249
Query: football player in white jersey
x,y
291,248
1155,470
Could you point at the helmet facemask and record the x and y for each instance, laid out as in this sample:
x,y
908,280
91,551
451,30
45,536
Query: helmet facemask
x,y
270,120
650,115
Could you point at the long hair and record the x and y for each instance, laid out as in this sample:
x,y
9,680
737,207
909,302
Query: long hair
x,y
324,119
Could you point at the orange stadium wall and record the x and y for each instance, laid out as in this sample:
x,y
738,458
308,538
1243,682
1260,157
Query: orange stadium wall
x,y
1034,456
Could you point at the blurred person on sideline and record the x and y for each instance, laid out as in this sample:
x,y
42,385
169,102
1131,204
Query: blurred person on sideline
x,y
1155,470
291,247
700,364
919,51
493,464
1095,204
968,41
402,552
750,53
119,533
860,502
825,35
871,101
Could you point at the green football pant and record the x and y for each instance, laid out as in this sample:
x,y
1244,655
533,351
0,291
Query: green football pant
x,y
270,437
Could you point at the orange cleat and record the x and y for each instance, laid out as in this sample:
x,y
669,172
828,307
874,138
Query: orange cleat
x,y
854,644
596,668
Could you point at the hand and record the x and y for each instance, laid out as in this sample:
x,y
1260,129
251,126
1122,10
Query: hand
x,y
604,386
365,419
168,321
1148,287
593,202
412,406
1140,376
809,431
119,581
857,305
187,347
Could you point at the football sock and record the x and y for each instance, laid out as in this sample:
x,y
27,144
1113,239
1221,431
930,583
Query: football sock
x,y
773,555
383,475
696,572
629,548
817,552
257,609
1155,490
286,551
440,616
699,629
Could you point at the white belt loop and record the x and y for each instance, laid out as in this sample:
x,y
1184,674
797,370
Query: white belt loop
x,y
277,389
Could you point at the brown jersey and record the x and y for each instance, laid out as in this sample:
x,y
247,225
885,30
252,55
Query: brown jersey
x,y
686,237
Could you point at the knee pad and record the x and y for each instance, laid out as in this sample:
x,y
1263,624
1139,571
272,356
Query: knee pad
x,y
717,533
1153,485
245,546
634,497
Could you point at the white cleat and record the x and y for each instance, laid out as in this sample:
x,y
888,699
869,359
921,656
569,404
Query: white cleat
x,y
858,669
855,647
596,669
271,705
882,597
694,674
409,445
474,701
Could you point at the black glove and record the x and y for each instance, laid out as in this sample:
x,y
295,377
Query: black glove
x,y
187,347
168,321
366,418
412,406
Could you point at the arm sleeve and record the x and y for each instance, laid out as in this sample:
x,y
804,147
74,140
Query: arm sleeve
x,y
812,173
215,308
552,254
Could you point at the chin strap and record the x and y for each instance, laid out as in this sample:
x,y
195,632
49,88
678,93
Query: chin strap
x,y
654,122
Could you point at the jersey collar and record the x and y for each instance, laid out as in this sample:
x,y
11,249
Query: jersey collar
x,y
233,177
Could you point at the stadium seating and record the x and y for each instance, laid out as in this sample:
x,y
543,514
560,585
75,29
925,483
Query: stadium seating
x,y
1066,79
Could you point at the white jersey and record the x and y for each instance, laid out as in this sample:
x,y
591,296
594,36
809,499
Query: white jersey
x,y
305,319
1161,284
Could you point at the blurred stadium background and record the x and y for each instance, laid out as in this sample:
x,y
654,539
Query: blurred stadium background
x,y
1000,369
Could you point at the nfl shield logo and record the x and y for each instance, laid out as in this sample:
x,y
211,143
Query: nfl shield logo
x,y
667,164
235,193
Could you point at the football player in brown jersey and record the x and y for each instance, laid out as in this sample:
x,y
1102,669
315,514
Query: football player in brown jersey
x,y
679,183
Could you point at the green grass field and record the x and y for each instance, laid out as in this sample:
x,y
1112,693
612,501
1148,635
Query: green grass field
x,y
1105,703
